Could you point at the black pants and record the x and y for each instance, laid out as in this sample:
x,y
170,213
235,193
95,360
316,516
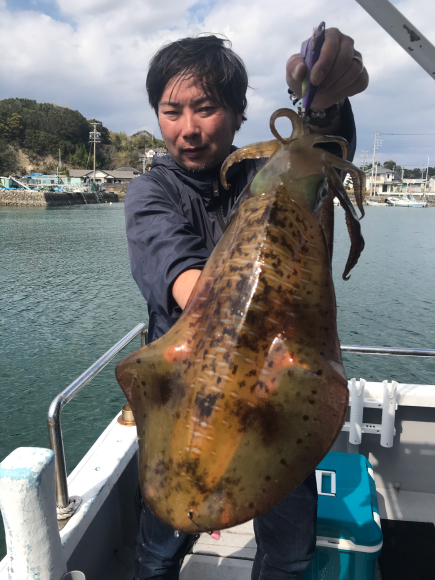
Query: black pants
x,y
285,535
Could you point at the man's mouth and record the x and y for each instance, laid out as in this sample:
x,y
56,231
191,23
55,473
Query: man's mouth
x,y
193,152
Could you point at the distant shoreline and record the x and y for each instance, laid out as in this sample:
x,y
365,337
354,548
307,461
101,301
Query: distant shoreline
x,y
49,199
52,199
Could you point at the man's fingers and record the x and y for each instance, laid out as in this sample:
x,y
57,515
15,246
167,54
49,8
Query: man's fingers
x,y
338,73
347,79
325,100
295,72
327,56
342,64
359,85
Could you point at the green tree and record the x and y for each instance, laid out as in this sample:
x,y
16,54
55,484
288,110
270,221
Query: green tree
x,y
79,159
8,159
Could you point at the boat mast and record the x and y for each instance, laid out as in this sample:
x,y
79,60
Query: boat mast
x,y
403,32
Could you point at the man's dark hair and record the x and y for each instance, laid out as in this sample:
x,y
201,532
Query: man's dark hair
x,y
220,71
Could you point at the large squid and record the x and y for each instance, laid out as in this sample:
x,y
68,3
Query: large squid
x,y
240,400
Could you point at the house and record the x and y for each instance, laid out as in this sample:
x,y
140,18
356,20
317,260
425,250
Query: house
x,y
385,180
135,171
39,179
413,186
122,175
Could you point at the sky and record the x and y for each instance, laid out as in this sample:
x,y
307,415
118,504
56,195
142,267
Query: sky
x,y
93,55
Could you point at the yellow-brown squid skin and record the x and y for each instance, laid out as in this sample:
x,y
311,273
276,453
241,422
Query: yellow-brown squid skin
x,y
238,402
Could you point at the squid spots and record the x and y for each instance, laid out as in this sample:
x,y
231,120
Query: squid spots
x,y
205,404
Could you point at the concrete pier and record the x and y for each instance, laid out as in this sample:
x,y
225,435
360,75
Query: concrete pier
x,y
30,198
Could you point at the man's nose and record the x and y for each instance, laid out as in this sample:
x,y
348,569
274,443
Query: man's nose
x,y
190,127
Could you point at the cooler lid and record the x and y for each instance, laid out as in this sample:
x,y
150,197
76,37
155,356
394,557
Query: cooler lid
x,y
348,506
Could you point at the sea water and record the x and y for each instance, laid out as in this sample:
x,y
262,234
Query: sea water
x,y
67,296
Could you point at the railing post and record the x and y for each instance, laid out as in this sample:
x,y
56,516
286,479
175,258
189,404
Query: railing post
x,y
56,444
29,514
356,411
388,413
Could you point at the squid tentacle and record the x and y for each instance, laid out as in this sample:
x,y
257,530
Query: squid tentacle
x,y
359,187
353,225
253,151
330,139
358,177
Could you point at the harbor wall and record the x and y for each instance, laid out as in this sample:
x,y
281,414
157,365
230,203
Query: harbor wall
x,y
48,198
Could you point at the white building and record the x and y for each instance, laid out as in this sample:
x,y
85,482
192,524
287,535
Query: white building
x,y
385,181
413,186
151,153
121,175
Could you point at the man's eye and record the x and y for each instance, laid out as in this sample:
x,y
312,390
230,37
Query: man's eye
x,y
206,109
170,113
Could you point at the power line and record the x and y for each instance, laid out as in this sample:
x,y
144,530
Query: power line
x,y
408,133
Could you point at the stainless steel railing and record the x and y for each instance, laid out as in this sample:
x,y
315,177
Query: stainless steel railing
x,y
55,410
388,350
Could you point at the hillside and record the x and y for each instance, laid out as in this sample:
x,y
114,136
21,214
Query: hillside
x,y
32,133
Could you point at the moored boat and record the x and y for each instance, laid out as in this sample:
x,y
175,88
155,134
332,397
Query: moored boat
x,y
406,201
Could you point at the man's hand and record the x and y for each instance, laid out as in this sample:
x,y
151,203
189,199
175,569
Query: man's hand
x,y
338,73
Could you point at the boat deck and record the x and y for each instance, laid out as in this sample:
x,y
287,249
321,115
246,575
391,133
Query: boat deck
x,y
229,558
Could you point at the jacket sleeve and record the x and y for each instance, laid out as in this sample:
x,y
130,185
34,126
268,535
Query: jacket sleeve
x,y
161,241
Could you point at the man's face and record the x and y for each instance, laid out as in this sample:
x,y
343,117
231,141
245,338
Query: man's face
x,y
198,133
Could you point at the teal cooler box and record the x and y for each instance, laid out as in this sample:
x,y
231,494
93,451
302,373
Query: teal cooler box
x,y
349,536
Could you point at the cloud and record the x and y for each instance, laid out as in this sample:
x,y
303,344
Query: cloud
x,y
94,57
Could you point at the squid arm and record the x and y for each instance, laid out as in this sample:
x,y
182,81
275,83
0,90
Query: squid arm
x,y
358,178
253,151
353,225
330,139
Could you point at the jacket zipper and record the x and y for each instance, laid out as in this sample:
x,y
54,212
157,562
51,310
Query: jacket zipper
x,y
217,206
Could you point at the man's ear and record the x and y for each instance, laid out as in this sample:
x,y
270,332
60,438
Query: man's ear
x,y
239,120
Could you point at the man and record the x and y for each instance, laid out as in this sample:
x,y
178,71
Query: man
x,y
175,215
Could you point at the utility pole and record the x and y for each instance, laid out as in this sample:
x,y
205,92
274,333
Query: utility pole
x,y
427,173
422,168
94,137
376,143
364,157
